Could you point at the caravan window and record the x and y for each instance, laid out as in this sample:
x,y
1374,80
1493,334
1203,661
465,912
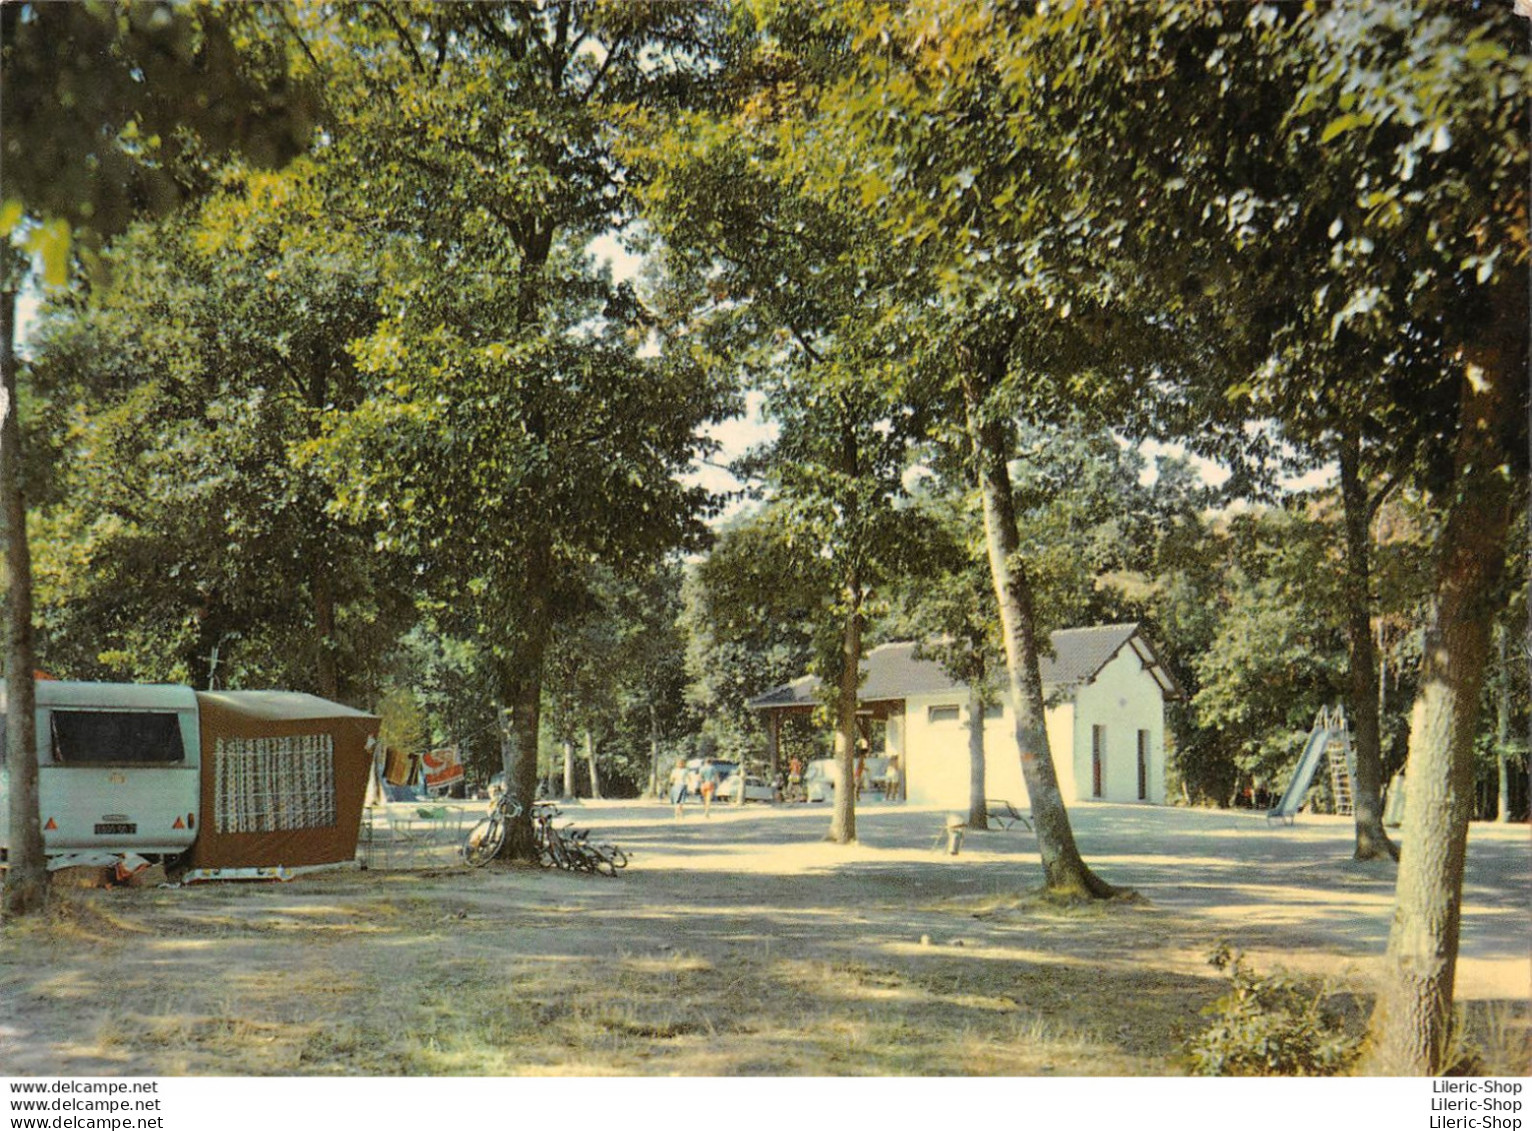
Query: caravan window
x,y
108,738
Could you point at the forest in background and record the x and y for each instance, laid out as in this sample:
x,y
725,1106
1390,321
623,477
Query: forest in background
x,y
329,392
276,435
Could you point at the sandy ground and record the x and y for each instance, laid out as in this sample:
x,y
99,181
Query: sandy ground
x,y
736,943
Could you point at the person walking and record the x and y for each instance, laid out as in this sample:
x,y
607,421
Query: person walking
x,y
678,788
709,787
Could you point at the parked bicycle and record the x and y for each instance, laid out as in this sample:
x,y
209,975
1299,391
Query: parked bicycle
x,y
571,848
487,838
567,847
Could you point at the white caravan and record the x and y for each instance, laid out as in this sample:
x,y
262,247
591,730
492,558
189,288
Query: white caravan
x,y
118,767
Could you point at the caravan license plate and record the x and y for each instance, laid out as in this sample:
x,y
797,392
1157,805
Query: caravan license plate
x,y
115,828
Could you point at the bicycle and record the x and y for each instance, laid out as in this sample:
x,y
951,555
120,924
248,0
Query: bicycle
x,y
570,848
487,838
604,858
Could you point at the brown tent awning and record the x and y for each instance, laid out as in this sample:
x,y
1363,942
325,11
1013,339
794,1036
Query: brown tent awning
x,y
284,776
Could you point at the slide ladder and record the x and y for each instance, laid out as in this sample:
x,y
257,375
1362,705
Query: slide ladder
x,y
1339,755
1330,740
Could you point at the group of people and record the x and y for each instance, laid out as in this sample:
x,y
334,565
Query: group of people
x,y
887,783
702,781
693,781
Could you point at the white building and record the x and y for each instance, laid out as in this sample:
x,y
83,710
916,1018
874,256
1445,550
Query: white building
x,y
1105,689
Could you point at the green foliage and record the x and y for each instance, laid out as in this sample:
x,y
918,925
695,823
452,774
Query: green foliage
x,y
616,672
453,685
1279,652
404,726
179,537
948,607
513,429
1271,1025
777,268
117,110
751,608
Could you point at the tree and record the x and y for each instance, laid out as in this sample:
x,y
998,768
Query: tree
x,y
750,610
1434,147
782,272
1008,289
616,676
948,609
101,122
512,429
1277,655
1416,116
181,540
26,875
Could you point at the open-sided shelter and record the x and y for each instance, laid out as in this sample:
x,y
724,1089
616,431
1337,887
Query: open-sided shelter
x,y
1105,689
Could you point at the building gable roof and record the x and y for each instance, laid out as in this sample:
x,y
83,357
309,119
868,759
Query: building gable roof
x,y
895,671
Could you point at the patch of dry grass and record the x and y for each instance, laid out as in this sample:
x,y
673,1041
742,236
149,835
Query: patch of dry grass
x,y
671,971
253,986
70,918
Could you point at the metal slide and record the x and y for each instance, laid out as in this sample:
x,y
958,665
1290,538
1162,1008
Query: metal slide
x,y
1326,726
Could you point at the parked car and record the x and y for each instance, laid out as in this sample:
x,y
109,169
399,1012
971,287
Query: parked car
x,y
823,775
756,789
820,778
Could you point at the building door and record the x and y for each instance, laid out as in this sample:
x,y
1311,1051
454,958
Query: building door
x,y
1097,757
1143,765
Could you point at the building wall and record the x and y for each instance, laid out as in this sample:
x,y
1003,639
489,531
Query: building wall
x,y
936,751
1123,699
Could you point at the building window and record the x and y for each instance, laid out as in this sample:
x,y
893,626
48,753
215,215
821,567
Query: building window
x,y
1097,759
946,713
1143,765
263,785
994,711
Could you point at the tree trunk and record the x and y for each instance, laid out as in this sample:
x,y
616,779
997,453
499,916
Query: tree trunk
x,y
522,691
327,674
978,810
1064,871
1503,733
590,760
654,750
507,723
26,877
523,719
848,684
569,783
1410,1030
849,681
744,764
1367,784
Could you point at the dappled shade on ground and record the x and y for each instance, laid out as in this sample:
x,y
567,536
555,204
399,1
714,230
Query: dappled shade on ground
x,y
740,943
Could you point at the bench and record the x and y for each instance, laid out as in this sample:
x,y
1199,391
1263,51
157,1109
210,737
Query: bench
x,y
1006,815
